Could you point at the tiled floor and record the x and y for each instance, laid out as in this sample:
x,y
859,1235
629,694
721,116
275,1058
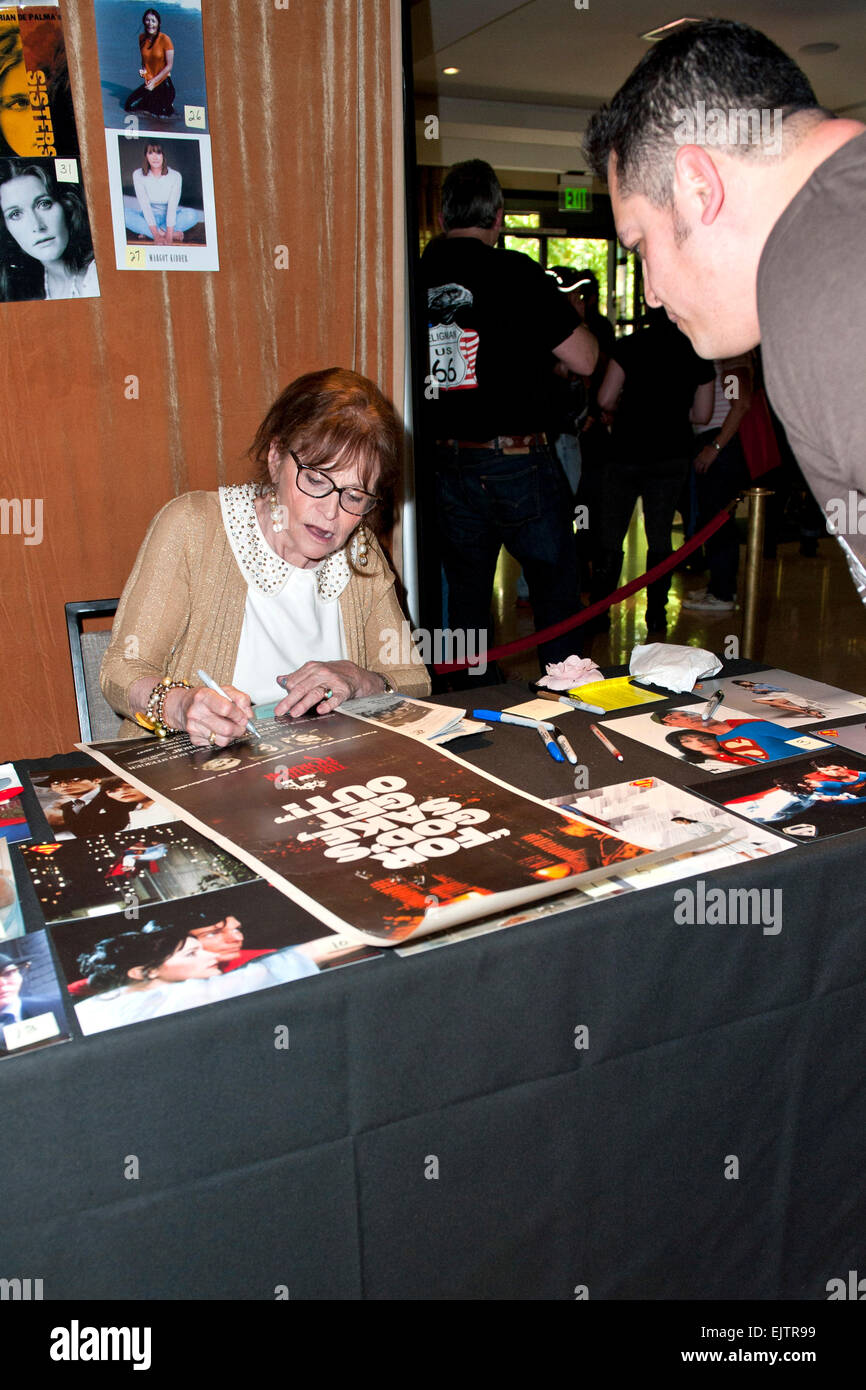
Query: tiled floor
x,y
810,618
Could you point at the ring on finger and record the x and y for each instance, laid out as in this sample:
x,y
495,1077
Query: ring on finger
x,y
328,692
212,738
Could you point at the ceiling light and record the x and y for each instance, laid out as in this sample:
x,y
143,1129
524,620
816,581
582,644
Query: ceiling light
x,y
450,72
819,48
653,35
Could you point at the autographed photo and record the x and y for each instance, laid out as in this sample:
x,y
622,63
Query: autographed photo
x,y
31,1009
730,739
783,697
189,953
809,799
85,801
136,46
133,869
162,202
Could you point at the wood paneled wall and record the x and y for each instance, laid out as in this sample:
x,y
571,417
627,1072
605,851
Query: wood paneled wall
x,y
306,127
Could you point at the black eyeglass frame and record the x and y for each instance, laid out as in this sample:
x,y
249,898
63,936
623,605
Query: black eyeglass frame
x,y
308,467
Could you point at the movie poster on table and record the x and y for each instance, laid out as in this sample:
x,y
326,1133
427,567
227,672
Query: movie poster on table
x,y
46,246
154,102
79,801
783,697
371,830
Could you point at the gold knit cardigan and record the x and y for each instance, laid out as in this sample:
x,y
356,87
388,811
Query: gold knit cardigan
x,y
183,609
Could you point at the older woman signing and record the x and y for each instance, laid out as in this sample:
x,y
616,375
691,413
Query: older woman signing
x,y
281,577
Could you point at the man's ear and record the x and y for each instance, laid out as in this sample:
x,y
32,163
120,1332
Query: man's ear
x,y
699,190
497,225
138,972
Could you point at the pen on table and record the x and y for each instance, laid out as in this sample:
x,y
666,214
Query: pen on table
x,y
212,685
497,717
712,705
549,744
567,749
571,702
603,738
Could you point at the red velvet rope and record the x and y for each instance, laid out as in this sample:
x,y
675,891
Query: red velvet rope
x,y
524,644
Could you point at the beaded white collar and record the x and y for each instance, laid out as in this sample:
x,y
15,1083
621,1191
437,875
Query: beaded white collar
x,y
262,567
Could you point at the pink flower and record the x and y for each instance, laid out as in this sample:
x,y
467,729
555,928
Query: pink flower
x,y
575,670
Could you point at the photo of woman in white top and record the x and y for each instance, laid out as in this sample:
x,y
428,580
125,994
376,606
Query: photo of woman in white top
x,y
156,211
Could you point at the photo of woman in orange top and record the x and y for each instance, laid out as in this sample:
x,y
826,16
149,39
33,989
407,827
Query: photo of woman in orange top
x,y
156,94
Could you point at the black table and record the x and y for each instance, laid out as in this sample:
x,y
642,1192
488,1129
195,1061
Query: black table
x,y
434,1132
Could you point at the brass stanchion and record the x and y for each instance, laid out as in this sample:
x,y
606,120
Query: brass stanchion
x,y
754,556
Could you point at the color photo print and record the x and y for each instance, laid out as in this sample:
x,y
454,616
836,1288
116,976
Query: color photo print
x,y
368,829
726,741
32,1013
162,202
809,799
192,952
46,247
783,697
13,820
11,920
129,871
85,801
151,66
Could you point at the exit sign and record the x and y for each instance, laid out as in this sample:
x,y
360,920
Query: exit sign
x,y
575,200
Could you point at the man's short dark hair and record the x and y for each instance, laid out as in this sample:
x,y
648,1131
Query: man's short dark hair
x,y
471,196
724,65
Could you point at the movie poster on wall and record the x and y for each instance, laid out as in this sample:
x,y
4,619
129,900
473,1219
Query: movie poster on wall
x,y
371,831
46,247
154,104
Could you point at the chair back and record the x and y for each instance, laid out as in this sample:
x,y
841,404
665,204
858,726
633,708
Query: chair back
x,y
96,719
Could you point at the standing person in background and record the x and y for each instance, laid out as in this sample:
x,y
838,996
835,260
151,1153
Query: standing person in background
x,y
726,218
493,319
155,96
656,384
594,437
720,473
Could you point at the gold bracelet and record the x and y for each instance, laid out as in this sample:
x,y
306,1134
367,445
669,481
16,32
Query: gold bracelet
x,y
152,718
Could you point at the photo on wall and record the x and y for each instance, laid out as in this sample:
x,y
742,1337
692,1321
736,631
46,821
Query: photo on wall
x,y
162,202
46,248
151,66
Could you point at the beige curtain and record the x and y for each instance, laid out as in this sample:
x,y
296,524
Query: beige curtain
x,y
306,127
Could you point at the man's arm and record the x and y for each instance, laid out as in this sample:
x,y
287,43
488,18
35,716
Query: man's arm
x,y
610,389
702,405
579,351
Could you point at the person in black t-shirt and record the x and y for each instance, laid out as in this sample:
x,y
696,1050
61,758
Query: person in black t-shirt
x,y
493,320
658,386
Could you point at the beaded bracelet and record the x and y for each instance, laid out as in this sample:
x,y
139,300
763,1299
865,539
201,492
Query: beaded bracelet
x,y
153,715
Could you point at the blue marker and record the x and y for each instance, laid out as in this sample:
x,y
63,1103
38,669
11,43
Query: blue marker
x,y
553,748
497,717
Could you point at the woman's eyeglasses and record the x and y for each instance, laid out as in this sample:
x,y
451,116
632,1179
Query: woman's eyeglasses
x,y
315,483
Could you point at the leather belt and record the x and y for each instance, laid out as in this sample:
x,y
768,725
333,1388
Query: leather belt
x,y
503,443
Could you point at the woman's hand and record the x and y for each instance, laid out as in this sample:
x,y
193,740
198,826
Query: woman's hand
x,y
706,458
202,713
308,686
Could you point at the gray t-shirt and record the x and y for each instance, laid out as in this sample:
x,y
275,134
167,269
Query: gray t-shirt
x,y
812,311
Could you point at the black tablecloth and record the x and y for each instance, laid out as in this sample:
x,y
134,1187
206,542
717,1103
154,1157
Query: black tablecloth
x,y
434,1132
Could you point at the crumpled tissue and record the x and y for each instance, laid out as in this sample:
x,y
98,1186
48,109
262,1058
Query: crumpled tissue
x,y
673,667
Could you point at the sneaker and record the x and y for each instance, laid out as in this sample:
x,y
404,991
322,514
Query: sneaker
x,y
708,603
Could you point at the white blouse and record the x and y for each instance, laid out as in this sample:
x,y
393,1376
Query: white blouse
x,y
291,615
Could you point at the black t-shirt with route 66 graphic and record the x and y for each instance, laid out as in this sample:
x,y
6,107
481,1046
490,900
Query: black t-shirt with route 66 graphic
x,y
493,319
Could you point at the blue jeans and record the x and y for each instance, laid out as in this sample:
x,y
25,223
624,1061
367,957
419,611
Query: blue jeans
x,y
486,499
185,218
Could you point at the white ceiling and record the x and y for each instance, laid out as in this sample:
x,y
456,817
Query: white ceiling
x,y
531,72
